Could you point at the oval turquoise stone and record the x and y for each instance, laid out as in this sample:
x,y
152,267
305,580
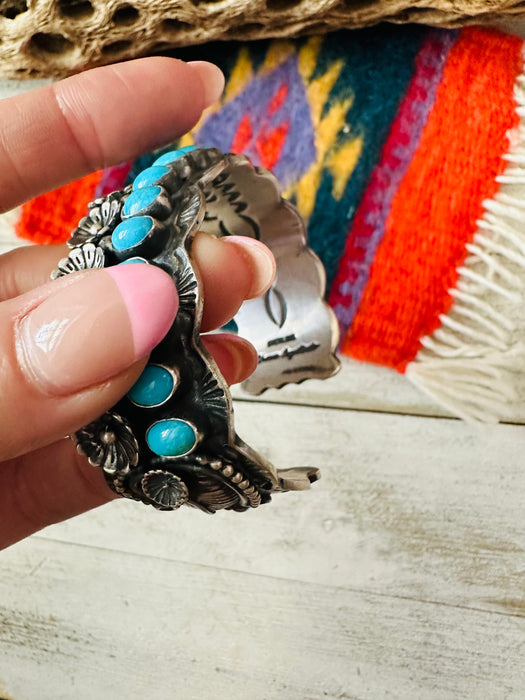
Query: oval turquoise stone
x,y
171,156
154,386
131,232
140,199
172,437
150,176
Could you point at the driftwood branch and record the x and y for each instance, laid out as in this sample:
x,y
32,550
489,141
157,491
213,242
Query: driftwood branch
x,y
58,37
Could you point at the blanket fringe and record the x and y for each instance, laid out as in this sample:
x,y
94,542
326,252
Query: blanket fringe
x,y
8,239
469,364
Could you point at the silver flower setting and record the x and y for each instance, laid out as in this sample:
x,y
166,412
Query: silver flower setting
x,y
109,443
166,490
104,214
84,257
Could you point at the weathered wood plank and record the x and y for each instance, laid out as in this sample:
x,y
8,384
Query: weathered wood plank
x,y
88,623
359,386
363,386
9,88
416,507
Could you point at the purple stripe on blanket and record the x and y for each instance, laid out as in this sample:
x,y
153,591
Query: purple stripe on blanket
x,y
113,178
369,224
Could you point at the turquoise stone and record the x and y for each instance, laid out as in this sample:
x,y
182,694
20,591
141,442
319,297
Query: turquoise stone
x,y
172,437
169,157
231,327
140,199
136,259
131,232
154,386
150,176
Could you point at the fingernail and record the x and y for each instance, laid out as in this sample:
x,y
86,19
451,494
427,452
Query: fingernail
x,y
212,80
95,326
260,259
235,356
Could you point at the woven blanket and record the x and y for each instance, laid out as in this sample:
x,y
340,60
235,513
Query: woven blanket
x,y
403,149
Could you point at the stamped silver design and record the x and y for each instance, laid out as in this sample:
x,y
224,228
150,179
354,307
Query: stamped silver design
x,y
293,329
103,214
84,257
167,491
109,443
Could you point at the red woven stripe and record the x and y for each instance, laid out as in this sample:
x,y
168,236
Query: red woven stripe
x,y
51,217
434,212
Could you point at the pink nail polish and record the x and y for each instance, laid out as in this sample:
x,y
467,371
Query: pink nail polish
x,y
151,302
95,327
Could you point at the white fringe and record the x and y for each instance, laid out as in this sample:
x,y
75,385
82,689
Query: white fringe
x,y
471,364
8,239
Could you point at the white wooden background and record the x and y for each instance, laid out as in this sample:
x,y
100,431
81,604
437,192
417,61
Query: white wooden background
x,y
400,575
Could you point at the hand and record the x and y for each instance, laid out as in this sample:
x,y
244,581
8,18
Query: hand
x,y
70,349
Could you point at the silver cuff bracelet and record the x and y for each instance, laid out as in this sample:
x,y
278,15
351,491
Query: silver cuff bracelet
x,y
171,440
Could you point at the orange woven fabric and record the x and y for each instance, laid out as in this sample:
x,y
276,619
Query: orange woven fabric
x,y
51,217
434,212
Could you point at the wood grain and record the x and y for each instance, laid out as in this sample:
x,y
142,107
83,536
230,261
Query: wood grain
x,y
368,387
87,623
358,385
430,509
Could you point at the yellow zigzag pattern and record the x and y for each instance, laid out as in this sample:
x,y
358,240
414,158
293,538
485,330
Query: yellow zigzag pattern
x,y
339,159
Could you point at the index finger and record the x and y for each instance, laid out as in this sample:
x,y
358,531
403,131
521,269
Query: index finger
x,y
104,116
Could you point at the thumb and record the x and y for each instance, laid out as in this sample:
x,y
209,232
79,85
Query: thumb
x,y
72,348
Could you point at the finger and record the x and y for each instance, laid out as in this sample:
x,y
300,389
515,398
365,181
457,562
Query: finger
x,y
104,116
23,269
45,487
232,269
235,356
55,482
72,348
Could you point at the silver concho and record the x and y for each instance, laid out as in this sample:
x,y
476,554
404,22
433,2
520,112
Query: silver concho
x,y
293,329
165,490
